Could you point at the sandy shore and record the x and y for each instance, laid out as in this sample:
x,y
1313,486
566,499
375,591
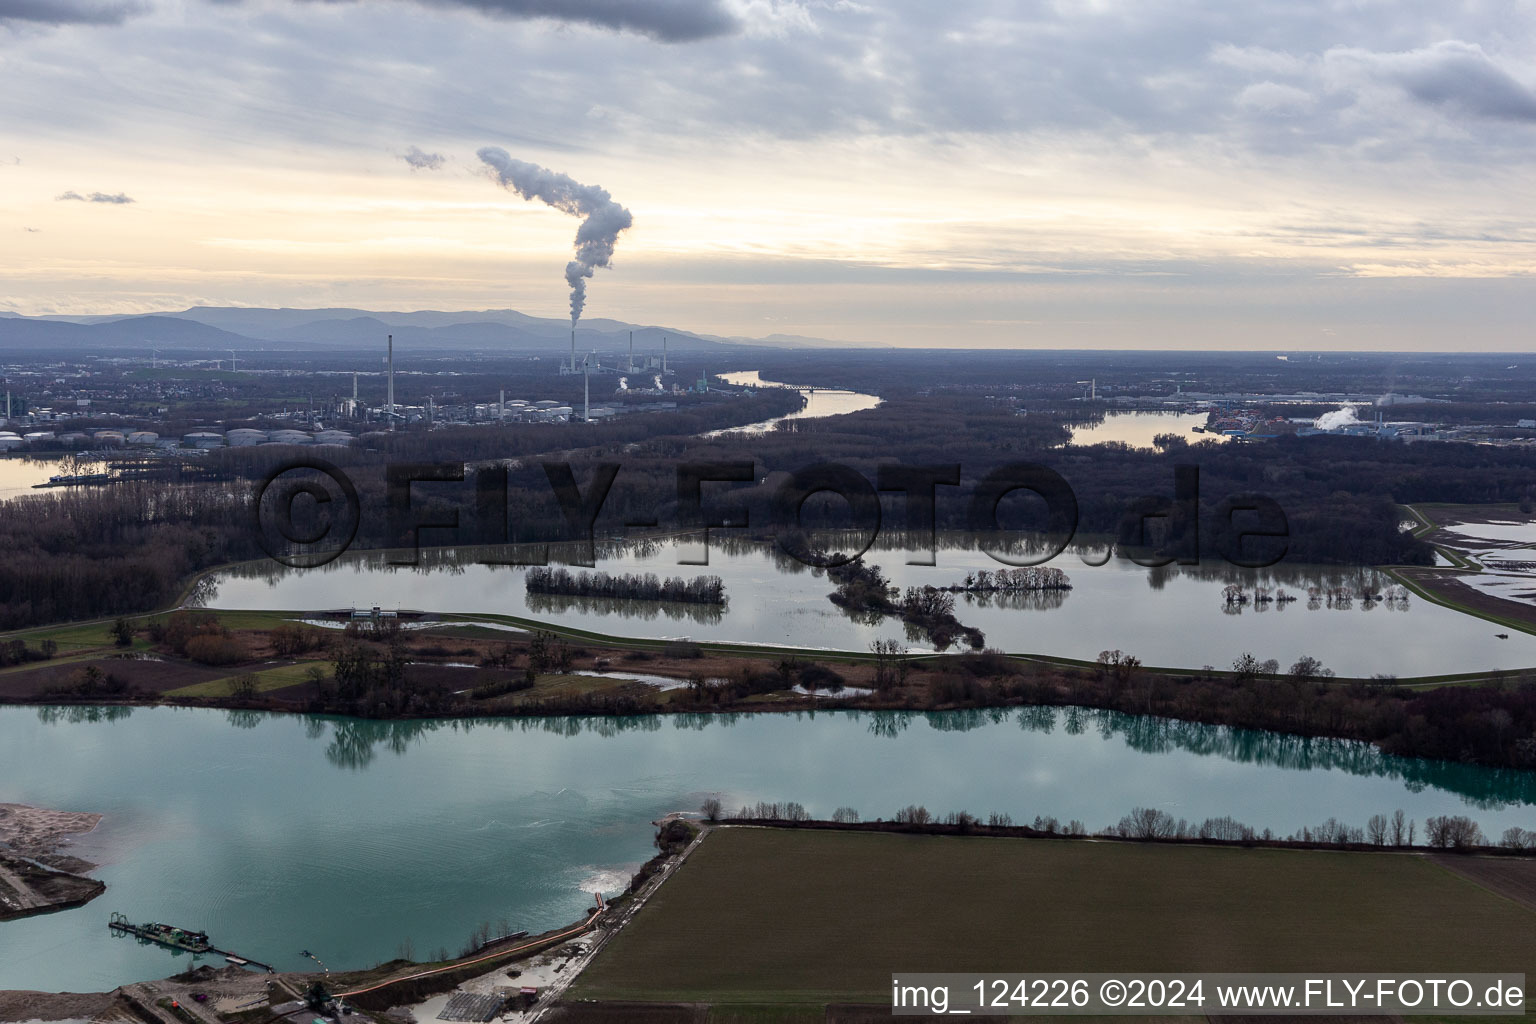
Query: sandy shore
x,y
37,832
35,876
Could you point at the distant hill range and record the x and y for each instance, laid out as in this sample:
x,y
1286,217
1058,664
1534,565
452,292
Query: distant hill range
x,y
220,328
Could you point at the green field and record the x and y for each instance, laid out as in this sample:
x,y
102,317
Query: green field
x,y
266,679
789,917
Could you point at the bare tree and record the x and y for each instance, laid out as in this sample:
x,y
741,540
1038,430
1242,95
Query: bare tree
x,y
710,808
1376,829
1452,832
845,815
1400,834
1247,666
886,653
1517,838
1308,669
1147,823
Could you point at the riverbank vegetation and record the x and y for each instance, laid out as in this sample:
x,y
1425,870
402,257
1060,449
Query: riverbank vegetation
x,y
1397,831
380,670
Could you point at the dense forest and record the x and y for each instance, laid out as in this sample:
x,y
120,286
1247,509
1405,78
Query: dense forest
x,y
82,553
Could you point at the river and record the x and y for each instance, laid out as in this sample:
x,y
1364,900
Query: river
x,y
819,402
277,833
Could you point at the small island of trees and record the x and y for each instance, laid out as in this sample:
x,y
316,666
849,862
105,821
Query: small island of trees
x,y
1029,579
626,586
863,589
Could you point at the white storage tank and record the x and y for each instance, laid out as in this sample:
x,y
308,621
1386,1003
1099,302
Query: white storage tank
x,y
143,437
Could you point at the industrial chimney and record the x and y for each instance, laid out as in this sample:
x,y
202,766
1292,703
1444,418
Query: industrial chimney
x,y
389,403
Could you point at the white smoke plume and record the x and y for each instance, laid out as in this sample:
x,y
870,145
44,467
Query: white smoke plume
x,y
1338,418
599,231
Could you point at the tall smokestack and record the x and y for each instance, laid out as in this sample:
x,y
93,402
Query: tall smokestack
x,y
501,407
631,351
389,402
663,354
573,348
586,392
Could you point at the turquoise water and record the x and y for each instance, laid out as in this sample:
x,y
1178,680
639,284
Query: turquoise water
x,y
278,833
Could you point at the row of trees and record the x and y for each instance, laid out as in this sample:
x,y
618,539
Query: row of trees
x,y
1029,578
912,814
625,586
1492,724
1441,832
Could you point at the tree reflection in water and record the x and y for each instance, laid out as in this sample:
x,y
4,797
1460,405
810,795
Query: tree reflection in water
x,y
558,604
353,744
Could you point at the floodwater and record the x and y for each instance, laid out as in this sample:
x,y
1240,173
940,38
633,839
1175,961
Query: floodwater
x,y
1169,617
18,475
1137,429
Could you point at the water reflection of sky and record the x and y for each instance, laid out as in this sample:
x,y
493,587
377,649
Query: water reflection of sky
x,y
1170,617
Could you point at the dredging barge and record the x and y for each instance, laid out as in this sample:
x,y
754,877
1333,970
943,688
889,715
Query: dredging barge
x,y
185,940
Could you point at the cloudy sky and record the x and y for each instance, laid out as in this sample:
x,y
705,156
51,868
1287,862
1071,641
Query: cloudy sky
x,y
1294,175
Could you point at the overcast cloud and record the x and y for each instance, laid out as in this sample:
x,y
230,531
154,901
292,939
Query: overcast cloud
x,y
1211,145
67,12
